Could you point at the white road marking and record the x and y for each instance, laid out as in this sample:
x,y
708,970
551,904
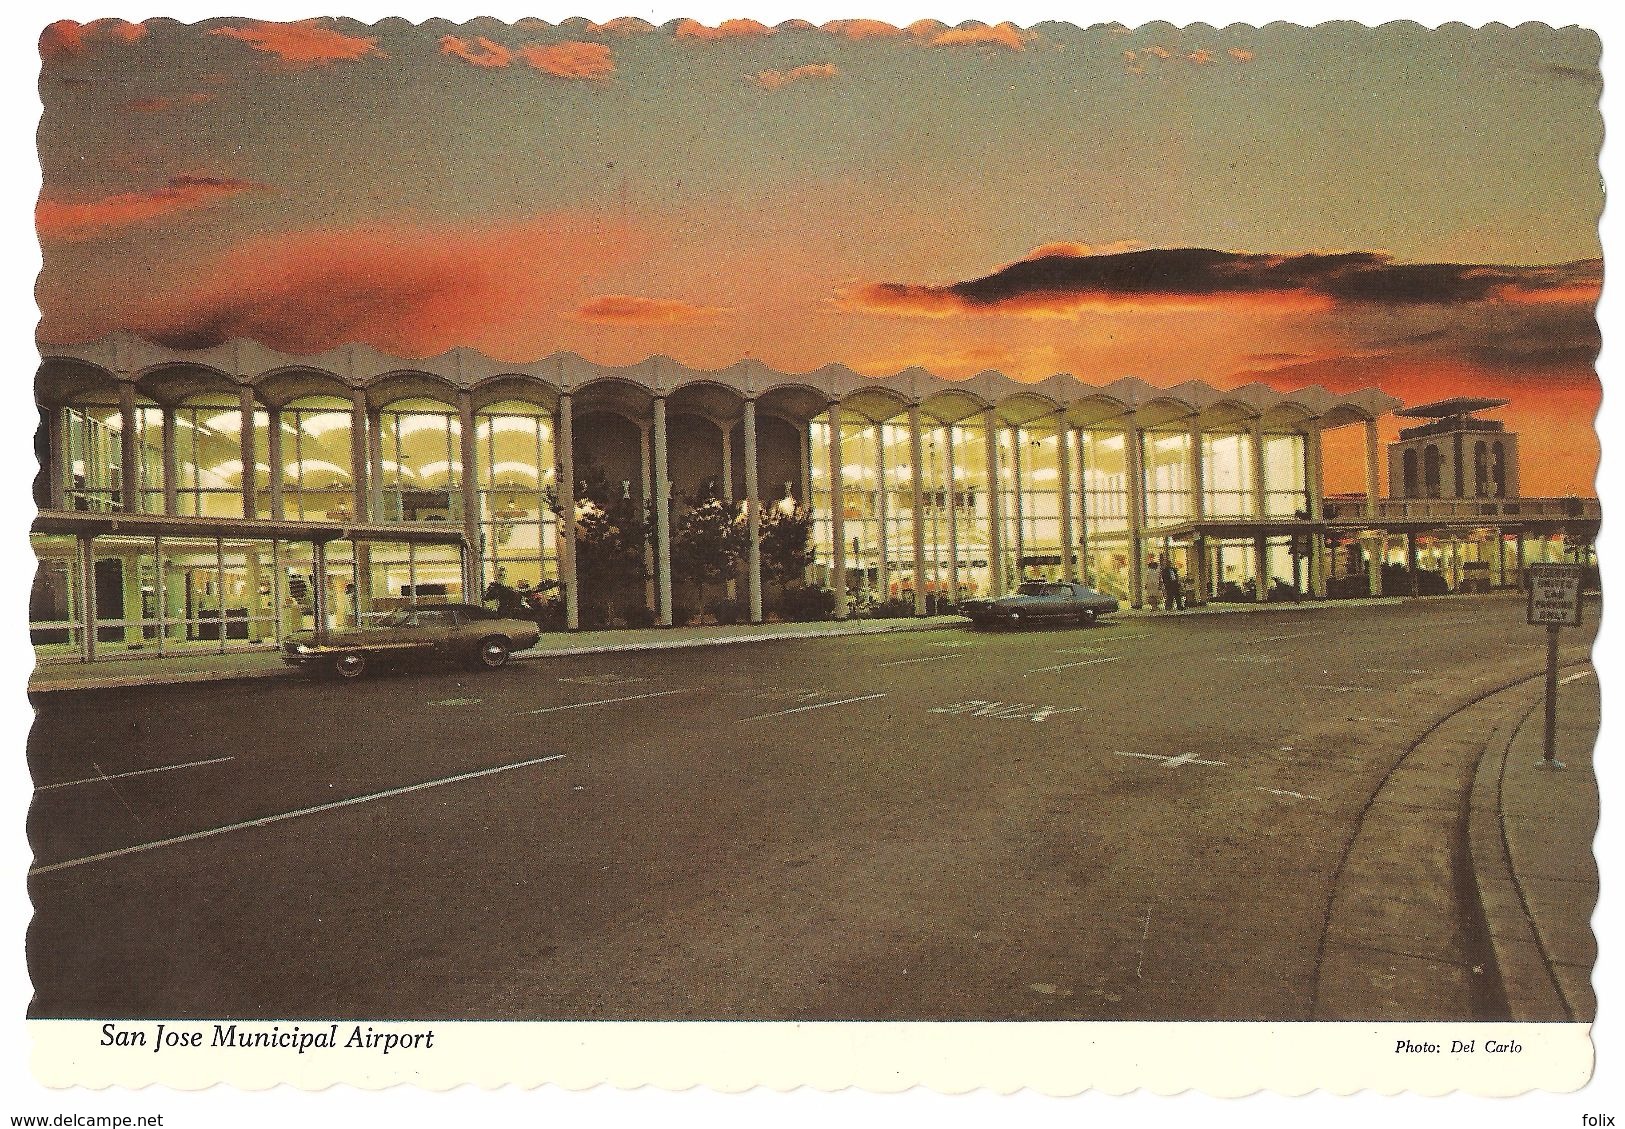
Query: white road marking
x,y
1173,762
603,679
1283,792
1027,711
1247,659
816,706
605,701
1277,638
458,702
1574,677
925,659
1340,689
136,772
269,819
1392,670
1122,638
1379,720
1080,662
1080,650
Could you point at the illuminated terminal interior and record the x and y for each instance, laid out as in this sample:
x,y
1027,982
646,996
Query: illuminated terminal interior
x,y
198,500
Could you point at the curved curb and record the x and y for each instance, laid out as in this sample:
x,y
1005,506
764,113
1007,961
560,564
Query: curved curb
x,y
1531,991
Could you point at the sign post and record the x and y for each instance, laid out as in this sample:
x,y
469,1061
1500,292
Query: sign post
x,y
1554,601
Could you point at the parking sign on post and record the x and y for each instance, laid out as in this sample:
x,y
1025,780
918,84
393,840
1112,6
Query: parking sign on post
x,y
1554,601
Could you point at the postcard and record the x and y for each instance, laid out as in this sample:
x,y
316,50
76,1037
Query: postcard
x,y
815,553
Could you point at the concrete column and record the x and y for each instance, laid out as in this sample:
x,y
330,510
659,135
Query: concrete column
x,y
753,517
650,600
953,517
995,516
129,450
567,513
1198,472
1134,456
130,575
1261,567
1313,471
57,468
1083,510
1376,551
1063,457
1410,563
837,511
87,597
662,488
318,588
375,470
917,502
245,398
1518,562
364,442
1015,504
1260,498
273,455
468,453
1371,468
251,565
172,500
884,571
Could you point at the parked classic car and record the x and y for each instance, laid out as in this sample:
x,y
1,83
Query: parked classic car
x,y
1040,602
479,637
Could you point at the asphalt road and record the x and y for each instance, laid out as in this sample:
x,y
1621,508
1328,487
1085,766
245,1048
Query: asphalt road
x,y
1143,819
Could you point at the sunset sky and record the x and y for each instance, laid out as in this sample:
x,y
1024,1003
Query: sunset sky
x,y
1340,206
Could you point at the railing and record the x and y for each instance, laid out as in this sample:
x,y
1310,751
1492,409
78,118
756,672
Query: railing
x,y
1466,509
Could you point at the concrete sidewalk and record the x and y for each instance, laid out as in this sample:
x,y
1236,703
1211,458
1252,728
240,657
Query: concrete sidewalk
x,y
1530,833
147,671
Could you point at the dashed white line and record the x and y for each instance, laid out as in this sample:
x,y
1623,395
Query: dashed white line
x,y
605,701
269,819
1080,662
1340,689
816,706
1277,638
136,772
1287,793
925,659
1574,677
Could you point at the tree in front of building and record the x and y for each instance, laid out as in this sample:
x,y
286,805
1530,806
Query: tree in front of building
x,y
708,541
612,531
787,550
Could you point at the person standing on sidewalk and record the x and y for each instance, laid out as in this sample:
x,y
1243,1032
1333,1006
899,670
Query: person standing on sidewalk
x,y
1153,582
1173,592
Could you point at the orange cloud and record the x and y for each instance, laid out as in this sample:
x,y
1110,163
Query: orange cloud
x,y
774,80
412,290
65,39
627,309
481,53
1080,250
161,102
1241,54
727,29
72,222
1006,35
862,29
570,59
300,46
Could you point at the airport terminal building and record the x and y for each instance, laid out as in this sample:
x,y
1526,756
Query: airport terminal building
x,y
220,498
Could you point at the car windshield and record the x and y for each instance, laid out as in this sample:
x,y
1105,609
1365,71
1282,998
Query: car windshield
x,y
1032,590
397,618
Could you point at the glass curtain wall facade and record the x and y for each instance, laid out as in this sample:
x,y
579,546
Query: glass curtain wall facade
x,y
514,469
318,480
1107,551
419,462
91,466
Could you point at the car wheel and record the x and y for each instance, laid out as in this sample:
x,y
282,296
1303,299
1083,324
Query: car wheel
x,y
492,653
1012,619
350,666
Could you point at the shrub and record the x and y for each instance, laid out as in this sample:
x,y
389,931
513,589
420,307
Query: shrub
x,y
638,615
902,608
807,603
727,611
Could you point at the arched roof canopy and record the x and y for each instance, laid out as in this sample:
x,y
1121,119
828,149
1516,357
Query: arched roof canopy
x,y
1164,412
515,386
1025,407
615,395
173,384
1093,411
1227,415
714,400
874,404
410,385
60,380
282,386
797,403
1288,415
953,406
